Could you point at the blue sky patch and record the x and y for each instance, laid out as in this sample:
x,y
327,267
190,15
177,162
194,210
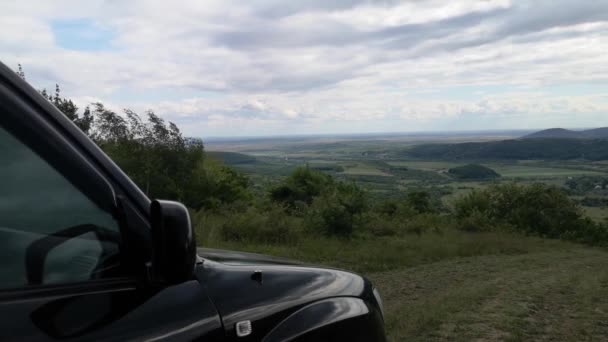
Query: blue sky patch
x,y
81,35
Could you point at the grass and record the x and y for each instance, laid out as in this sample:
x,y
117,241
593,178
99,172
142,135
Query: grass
x,y
598,214
557,295
383,254
472,286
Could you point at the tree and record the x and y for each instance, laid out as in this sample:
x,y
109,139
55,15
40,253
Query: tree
x,y
534,209
20,72
302,186
65,105
155,154
334,212
419,201
473,171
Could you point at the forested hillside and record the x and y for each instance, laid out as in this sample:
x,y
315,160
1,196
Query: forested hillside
x,y
595,133
549,149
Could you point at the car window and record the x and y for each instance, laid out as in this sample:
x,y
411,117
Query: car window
x,y
50,231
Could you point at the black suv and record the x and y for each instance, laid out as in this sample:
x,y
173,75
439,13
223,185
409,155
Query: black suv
x,y
86,255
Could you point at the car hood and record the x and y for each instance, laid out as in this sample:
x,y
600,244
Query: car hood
x,y
242,258
265,289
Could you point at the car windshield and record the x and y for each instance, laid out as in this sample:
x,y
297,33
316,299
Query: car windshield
x,y
453,152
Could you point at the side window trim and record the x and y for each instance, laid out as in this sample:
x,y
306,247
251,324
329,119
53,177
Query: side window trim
x,y
68,289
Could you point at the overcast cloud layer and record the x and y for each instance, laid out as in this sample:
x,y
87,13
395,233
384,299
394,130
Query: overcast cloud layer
x,y
324,66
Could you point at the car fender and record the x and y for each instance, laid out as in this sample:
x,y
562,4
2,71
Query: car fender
x,y
323,314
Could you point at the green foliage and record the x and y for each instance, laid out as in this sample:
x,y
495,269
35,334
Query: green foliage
x,y
476,221
66,106
420,201
535,209
328,167
232,158
473,171
335,211
219,185
20,72
594,201
272,226
302,186
583,184
415,202
412,215
330,207
156,156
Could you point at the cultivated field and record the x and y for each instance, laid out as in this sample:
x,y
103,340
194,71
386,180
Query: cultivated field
x,y
380,164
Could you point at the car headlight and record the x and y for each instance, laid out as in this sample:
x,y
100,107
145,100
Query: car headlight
x,y
379,301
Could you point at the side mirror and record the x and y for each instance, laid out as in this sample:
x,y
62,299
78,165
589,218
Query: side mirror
x,y
174,242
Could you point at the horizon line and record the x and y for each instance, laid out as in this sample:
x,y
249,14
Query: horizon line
x,y
385,133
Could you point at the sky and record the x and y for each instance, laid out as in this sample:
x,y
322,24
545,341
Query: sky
x,y
266,67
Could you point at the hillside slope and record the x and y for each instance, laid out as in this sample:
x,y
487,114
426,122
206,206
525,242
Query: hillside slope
x,y
232,158
561,133
521,149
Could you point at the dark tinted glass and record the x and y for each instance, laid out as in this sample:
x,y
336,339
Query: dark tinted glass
x,y
50,232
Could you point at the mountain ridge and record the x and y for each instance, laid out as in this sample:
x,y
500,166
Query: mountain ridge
x,y
594,133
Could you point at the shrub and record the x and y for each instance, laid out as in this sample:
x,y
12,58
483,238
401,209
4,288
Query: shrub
x,y
420,201
334,212
537,209
424,223
330,218
272,226
381,225
473,171
401,219
589,232
476,221
303,185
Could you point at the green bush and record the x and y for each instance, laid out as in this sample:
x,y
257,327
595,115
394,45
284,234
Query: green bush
x,y
589,232
330,218
302,186
272,226
473,171
334,212
399,217
537,209
381,225
476,221
424,223
420,201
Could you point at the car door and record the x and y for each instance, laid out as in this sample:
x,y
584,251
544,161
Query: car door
x,y
74,245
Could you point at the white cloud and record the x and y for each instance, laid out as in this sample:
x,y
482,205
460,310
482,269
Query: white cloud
x,y
295,66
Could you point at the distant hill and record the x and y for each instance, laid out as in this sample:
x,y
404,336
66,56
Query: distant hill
x,y
232,158
596,133
520,149
473,171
